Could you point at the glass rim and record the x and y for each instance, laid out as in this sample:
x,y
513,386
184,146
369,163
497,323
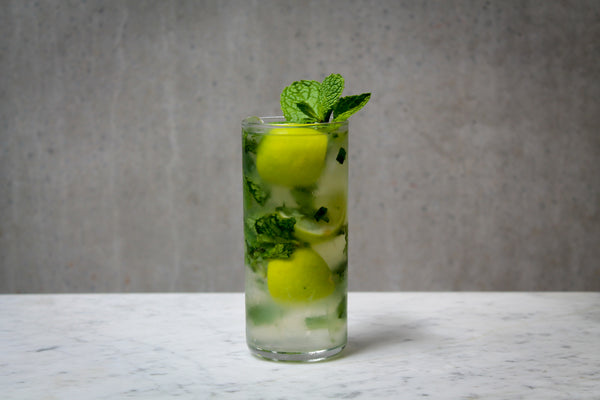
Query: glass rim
x,y
278,121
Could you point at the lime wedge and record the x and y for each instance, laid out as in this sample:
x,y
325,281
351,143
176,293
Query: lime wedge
x,y
291,157
311,230
303,277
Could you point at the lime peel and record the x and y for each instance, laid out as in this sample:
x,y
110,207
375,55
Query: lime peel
x,y
292,156
303,277
311,230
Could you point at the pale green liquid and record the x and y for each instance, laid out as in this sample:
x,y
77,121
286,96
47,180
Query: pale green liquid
x,y
302,327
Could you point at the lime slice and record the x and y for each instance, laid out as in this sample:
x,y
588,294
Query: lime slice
x,y
301,278
308,229
292,156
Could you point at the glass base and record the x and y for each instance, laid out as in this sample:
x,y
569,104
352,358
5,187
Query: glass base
x,y
309,356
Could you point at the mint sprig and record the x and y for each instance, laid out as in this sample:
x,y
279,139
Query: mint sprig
x,y
329,94
307,110
299,92
346,106
310,101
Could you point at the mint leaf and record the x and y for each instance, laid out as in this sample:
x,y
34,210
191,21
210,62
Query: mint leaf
x,y
331,90
249,143
342,308
340,269
263,314
308,110
325,321
346,106
264,251
319,322
321,214
345,228
256,191
304,198
270,236
274,228
341,155
299,92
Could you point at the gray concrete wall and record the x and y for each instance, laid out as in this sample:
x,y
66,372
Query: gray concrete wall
x,y
474,167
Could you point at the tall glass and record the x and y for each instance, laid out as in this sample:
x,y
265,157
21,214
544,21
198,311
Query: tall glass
x,y
296,238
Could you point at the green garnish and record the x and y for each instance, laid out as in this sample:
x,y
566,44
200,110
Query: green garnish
x,y
324,321
341,156
299,92
341,268
342,308
321,214
310,101
348,105
256,191
346,237
275,228
305,198
319,322
261,251
263,314
331,90
249,143
270,236
308,110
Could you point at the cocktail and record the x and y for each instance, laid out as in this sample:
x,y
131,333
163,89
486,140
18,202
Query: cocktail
x,y
295,177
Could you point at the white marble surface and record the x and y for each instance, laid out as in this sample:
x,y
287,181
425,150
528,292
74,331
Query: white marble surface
x,y
402,346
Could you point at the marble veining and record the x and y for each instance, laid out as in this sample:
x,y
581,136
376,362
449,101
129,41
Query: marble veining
x,y
402,346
